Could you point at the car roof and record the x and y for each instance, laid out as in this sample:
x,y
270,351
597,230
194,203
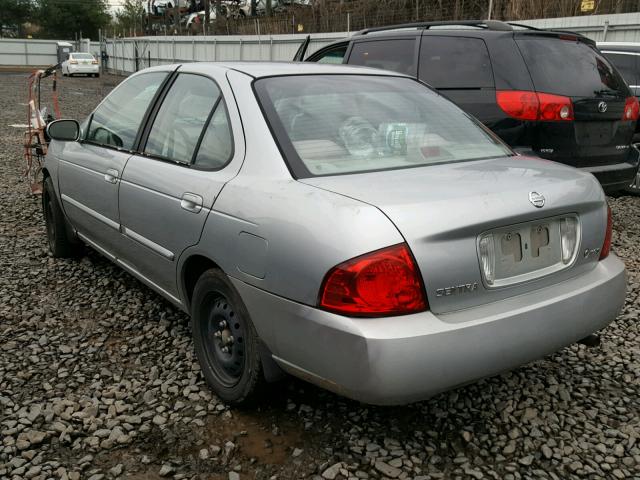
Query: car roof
x,y
270,69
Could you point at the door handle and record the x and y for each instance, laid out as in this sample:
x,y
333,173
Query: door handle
x,y
191,202
111,175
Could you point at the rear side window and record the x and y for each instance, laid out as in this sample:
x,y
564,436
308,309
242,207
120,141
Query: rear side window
x,y
626,64
333,56
216,146
395,55
568,67
455,62
116,121
182,117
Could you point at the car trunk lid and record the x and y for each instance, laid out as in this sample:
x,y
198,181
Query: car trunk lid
x,y
442,210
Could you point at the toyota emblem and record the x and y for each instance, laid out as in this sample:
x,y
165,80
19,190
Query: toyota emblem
x,y
602,107
536,199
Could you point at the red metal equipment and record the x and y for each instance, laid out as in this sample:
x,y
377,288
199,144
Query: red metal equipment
x,y
35,138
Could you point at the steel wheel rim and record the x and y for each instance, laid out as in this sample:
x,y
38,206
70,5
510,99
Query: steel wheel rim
x,y
224,338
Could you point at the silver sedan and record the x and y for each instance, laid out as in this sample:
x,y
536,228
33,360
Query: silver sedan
x,y
348,226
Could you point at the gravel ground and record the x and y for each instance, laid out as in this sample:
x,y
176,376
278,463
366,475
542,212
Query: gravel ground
x,y
98,379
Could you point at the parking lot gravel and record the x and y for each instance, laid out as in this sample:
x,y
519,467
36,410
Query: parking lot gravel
x,y
98,378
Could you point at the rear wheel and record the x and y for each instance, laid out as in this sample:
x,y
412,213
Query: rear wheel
x,y
634,188
225,340
61,244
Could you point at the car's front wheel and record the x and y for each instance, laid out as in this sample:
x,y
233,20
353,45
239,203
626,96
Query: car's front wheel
x,y
225,340
61,244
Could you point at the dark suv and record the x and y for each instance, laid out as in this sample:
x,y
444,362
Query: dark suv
x,y
550,92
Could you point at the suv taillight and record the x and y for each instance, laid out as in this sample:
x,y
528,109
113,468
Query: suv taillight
x,y
631,109
606,245
378,284
526,105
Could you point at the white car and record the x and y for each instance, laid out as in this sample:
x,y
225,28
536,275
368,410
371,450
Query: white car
x,y
80,63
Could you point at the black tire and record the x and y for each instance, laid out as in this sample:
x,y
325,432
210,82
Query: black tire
x,y
234,375
97,75
61,244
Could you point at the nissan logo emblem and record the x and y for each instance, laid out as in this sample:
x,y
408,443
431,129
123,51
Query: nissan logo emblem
x,y
602,107
536,199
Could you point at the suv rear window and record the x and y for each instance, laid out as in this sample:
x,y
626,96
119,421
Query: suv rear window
x,y
455,62
396,55
568,67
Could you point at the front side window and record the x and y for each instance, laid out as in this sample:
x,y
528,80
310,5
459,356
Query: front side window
x,y
181,118
395,55
337,124
116,121
455,62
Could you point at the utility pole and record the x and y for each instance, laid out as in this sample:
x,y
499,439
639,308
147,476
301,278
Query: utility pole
x,y
490,9
207,12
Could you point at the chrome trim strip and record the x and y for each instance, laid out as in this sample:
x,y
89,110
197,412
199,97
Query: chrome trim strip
x,y
144,279
93,244
129,268
90,212
159,249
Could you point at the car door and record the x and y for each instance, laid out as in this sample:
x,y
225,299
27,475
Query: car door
x,y
168,189
90,169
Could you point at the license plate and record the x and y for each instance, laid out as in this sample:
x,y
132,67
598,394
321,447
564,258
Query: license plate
x,y
594,133
527,251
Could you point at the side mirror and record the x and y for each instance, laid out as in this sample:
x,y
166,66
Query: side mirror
x,y
64,130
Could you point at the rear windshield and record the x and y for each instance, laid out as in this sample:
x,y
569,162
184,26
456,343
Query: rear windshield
x,y
569,67
82,56
337,124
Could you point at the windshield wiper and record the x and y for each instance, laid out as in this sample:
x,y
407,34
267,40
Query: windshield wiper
x,y
606,91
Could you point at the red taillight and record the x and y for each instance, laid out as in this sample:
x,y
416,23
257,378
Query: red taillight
x,y
381,283
606,245
554,107
525,105
519,104
631,109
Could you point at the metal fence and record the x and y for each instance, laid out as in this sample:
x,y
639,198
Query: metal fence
x,y
127,55
623,27
27,53
130,54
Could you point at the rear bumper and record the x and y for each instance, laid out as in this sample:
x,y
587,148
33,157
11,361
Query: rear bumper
x,y
404,359
90,69
616,177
